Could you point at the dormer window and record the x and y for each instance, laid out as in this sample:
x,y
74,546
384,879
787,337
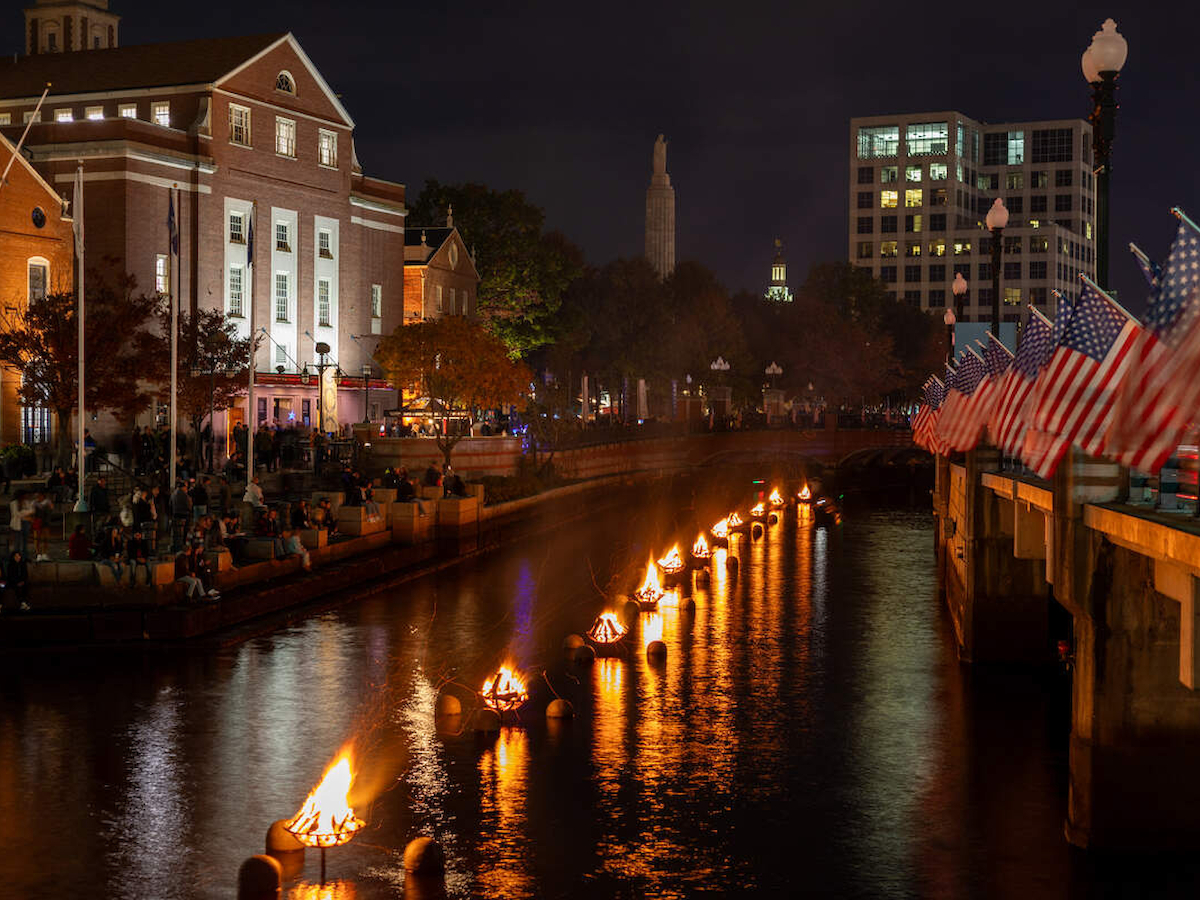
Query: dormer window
x,y
284,83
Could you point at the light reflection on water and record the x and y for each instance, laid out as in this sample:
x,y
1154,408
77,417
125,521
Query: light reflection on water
x,y
809,718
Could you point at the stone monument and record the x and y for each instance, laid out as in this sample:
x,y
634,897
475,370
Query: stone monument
x,y
660,214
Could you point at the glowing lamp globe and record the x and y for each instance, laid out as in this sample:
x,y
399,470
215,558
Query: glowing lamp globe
x,y
1109,48
997,216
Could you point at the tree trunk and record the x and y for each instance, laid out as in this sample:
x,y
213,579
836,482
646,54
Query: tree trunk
x,y
62,438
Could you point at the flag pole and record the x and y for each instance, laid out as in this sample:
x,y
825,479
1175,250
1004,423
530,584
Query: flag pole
x,y
77,214
24,134
251,417
1182,217
173,295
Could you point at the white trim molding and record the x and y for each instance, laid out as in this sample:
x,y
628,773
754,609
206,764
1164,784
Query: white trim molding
x,y
155,180
378,226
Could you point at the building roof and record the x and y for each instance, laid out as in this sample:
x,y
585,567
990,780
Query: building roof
x,y
435,235
125,68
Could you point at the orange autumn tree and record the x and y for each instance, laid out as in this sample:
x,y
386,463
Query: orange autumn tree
x,y
460,366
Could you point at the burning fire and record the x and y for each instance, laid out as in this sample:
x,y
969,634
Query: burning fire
x,y
672,562
650,589
758,510
607,629
805,493
776,498
721,529
505,691
700,548
734,520
326,819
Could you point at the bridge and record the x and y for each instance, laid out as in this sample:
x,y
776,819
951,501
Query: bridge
x,y
828,446
1008,547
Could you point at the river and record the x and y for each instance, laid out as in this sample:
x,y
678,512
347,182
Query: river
x,y
810,733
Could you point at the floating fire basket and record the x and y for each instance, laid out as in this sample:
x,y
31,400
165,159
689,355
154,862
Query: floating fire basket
x,y
504,692
701,555
326,819
776,499
651,591
606,634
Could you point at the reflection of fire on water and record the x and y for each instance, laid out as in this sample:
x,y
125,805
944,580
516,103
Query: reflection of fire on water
x,y
607,629
776,499
721,530
505,691
672,563
700,548
326,819
652,628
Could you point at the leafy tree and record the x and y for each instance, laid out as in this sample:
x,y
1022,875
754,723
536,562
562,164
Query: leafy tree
x,y
212,363
523,271
459,365
550,417
122,360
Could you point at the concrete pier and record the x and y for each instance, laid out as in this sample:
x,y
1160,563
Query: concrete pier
x,y
1009,546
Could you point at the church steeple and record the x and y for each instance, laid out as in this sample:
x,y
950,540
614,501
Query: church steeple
x,y
58,26
778,288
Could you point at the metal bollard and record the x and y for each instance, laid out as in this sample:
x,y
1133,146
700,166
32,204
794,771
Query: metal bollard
x,y
1168,485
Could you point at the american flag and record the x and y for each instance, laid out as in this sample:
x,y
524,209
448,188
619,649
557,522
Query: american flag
x,y
974,411
954,420
1076,393
1162,391
1151,269
926,417
1008,421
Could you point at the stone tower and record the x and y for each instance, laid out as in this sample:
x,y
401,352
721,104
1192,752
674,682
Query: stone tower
x,y
660,214
57,26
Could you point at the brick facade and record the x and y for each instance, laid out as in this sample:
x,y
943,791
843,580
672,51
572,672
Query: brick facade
x,y
132,161
25,245
440,278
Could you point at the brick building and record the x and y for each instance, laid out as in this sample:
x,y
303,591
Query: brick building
x,y
37,254
440,278
257,143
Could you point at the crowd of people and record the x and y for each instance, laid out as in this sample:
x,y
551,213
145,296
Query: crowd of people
x,y
132,532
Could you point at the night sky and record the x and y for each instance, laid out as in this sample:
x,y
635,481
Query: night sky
x,y
564,100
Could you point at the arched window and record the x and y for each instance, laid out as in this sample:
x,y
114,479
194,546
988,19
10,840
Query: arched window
x,y
50,31
39,278
284,83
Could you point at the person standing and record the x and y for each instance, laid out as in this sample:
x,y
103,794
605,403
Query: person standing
x,y
20,515
39,524
137,552
254,494
199,494
181,513
98,501
16,576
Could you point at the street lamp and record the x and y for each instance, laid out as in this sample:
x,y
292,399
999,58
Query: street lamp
x,y
1101,63
321,349
949,319
366,370
997,218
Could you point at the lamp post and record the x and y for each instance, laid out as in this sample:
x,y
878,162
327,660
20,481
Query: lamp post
x,y
997,218
1101,63
366,370
321,349
949,319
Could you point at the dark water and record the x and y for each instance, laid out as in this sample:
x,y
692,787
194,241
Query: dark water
x,y
810,733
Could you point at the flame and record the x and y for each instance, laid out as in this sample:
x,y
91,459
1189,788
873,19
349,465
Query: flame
x,y
700,548
326,819
721,529
505,691
757,510
672,562
650,586
805,493
607,629
776,498
734,520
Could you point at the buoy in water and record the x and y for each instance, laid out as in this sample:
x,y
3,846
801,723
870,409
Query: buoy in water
x,y
630,612
559,709
573,641
756,532
423,856
731,564
447,705
656,650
